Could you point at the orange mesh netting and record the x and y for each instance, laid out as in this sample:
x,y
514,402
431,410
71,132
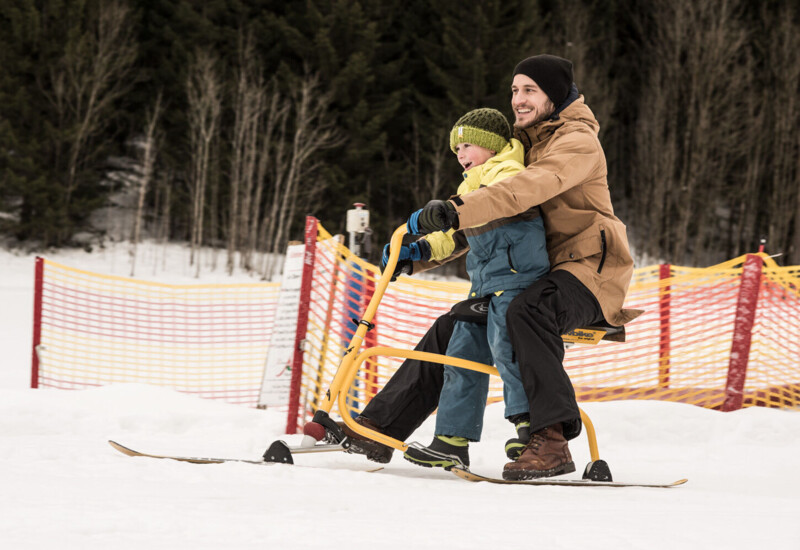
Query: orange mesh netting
x,y
678,350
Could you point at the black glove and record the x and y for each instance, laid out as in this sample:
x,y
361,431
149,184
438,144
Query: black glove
x,y
409,253
435,216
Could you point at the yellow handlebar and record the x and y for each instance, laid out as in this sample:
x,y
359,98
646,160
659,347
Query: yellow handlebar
x,y
358,338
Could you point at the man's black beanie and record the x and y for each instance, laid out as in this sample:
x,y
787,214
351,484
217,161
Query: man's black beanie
x,y
552,74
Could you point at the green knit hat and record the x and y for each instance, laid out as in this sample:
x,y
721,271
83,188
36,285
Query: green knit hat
x,y
485,127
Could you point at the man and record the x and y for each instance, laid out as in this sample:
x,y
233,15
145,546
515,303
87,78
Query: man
x,y
587,246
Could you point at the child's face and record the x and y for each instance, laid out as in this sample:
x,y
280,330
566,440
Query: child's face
x,y
470,155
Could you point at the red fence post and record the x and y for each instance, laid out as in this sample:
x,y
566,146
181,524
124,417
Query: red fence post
x,y
302,323
370,341
37,319
742,332
664,350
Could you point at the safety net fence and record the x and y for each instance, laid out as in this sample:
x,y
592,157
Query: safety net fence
x,y
209,340
720,337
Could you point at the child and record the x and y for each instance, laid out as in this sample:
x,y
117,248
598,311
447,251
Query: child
x,y
504,257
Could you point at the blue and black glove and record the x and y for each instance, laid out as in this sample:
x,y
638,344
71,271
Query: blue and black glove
x,y
435,216
409,253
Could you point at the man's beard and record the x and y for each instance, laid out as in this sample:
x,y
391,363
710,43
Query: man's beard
x,y
549,109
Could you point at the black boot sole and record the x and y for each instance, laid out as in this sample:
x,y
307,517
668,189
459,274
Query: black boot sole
x,y
372,451
426,465
435,458
521,475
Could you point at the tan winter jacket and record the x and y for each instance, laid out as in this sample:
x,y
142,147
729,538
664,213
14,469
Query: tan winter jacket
x,y
566,174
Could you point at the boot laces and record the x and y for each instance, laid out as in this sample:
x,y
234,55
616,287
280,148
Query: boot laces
x,y
537,439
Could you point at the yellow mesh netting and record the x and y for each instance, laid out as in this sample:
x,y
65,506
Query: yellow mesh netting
x,y
209,340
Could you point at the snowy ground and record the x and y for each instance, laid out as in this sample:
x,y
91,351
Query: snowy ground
x,y
64,487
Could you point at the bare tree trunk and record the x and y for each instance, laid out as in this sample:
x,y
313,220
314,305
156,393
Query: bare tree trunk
x,y
275,118
166,208
745,209
389,196
793,257
214,236
691,126
256,97
431,152
148,160
655,159
250,189
89,78
785,83
314,129
248,108
205,104
281,162
583,43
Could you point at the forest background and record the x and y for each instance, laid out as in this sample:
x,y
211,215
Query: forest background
x,y
229,120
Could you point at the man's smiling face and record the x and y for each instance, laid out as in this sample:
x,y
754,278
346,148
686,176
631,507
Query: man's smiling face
x,y
531,105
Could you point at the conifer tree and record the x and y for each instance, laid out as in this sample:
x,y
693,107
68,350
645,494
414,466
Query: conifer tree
x,y
461,64
69,60
348,45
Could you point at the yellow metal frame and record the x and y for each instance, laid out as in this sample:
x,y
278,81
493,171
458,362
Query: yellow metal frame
x,y
352,360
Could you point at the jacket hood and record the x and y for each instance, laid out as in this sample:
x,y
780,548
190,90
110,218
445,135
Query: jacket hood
x,y
513,152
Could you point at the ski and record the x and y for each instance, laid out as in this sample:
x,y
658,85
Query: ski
x,y
469,476
199,460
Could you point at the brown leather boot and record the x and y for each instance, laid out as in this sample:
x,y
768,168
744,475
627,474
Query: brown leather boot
x,y
545,455
376,452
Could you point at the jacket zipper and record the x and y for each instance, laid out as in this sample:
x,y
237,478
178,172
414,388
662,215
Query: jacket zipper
x,y
510,262
603,245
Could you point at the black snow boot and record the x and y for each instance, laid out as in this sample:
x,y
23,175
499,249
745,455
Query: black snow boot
x,y
444,452
376,452
514,446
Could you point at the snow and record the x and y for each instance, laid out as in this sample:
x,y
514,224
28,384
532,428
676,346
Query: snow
x,y
65,487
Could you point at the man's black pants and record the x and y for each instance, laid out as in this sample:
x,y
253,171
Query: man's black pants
x,y
412,393
536,319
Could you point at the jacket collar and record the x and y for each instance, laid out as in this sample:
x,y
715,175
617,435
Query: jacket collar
x,y
572,96
513,151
